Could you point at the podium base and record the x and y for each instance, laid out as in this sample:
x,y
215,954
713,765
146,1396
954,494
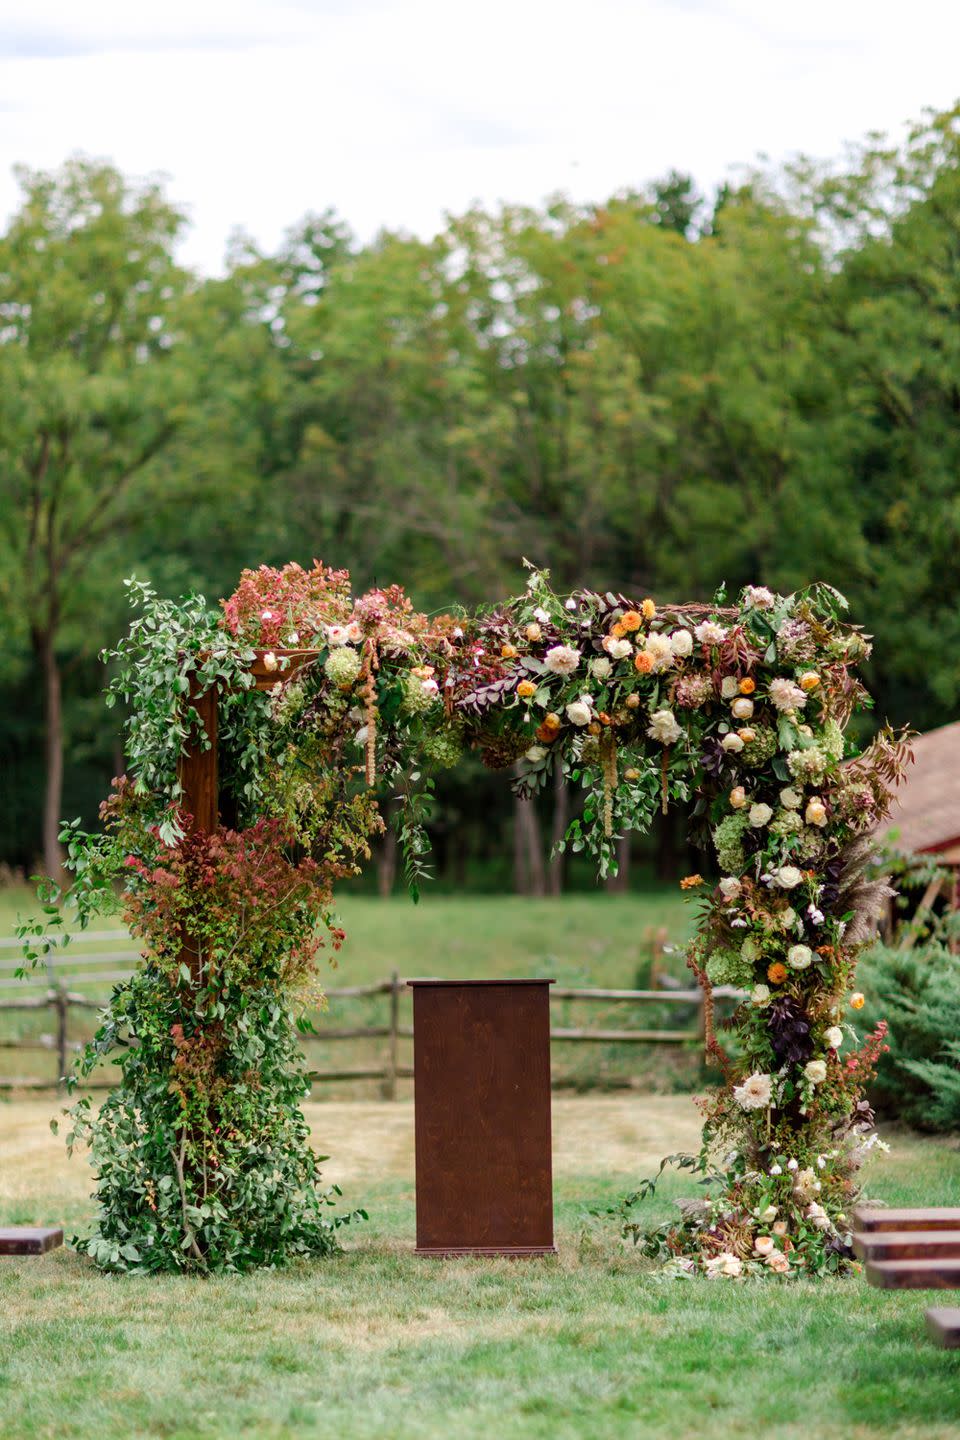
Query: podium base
x,y
512,1252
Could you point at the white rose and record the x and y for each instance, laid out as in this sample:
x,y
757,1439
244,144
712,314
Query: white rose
x,y
536,752
815,1071
788,876
816,811
617,649
742,708
760,815
681,643
600,667
663,727
799,957
833,1037
732,744
730,887
542,615
270,662
729,686
790,799
579,712
788,917
817,1215
708,632
760,996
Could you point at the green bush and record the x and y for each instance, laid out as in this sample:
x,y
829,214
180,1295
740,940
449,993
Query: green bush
x,y
918,993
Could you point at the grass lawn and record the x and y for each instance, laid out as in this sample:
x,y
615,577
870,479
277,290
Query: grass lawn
x,y
378,1343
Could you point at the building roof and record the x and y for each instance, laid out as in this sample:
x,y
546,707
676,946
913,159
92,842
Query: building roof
x,y
926,810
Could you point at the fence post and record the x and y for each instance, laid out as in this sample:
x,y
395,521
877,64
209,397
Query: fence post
x,y
393,1054
62,1007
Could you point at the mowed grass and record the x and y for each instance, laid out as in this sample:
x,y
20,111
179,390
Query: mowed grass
x,y
595,940
376,1343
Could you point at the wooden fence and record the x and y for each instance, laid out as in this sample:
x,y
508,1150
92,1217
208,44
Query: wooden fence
x,y
59,994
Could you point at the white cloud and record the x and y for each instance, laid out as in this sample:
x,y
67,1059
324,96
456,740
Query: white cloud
x,y
397,111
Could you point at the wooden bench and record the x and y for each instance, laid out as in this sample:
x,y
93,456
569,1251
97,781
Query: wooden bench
x,y
914,1250
29,1240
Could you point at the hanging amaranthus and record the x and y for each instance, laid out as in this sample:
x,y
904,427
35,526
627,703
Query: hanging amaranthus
x,y
370,665
608,758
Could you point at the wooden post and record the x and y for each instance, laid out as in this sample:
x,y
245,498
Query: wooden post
x,y
62,1008
393,1055
197,772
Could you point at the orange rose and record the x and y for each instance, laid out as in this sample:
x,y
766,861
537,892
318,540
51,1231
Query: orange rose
x,y
509,652
526,688
643,662
631,620
547,733
810,680
777,973
857,1000
747,686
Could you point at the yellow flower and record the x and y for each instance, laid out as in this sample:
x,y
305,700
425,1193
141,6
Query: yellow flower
x,y
509,652
632,774
810,680
747,686
648,609
526,688
858,1000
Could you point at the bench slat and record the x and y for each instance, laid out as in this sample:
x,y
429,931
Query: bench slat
x,y
907,1245
914,1274
29,1240
866,1219
943,1326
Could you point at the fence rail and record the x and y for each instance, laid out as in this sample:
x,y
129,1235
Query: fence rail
x,y
58,993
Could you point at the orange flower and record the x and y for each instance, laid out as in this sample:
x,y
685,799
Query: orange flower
x,y
824,949
547,733
690,882
604,718
632,702
593,728
618,630
747,734
648,609
858,1000
509,652
747,686
643,662
630,620
422,672
526,688
777,973
810,680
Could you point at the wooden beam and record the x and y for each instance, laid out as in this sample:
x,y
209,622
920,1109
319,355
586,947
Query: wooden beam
x,y
914,1274
908,1245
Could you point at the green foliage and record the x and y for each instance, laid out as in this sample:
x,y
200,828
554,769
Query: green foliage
x,y
917,992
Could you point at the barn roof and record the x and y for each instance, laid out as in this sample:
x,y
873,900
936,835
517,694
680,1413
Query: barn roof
x,y
926,811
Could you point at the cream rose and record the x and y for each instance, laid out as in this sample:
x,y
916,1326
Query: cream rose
x,y
580,712
833,1037
663,727
708,632
799,957
760,815
815,1071
732,744
790,799
760,996
681,643
816,811
788,876
730,887
763,1245
742,708
617,648
561,659
729,686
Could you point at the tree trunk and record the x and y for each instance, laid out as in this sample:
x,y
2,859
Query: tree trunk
x,y
53,757
528,868
561,815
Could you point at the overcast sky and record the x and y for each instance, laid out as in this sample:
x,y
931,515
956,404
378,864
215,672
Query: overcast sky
x,y
399,111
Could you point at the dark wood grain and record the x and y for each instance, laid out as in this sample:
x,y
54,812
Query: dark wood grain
x,y
907,1245
198,767
29,1240
914,1274
483,1126
866,1219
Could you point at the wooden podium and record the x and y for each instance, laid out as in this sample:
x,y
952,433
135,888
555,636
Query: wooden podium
x,y
483,1136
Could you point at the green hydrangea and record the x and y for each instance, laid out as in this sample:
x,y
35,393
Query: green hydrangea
x,y
416,699
728,841
807,765
831,741
443,747
343,665
726,967
812,845
786,822
758,751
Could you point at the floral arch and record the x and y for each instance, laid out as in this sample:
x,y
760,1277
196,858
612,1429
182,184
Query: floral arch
x,y
201,1151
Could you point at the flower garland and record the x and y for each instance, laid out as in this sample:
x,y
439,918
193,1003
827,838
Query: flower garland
x,y
744,705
